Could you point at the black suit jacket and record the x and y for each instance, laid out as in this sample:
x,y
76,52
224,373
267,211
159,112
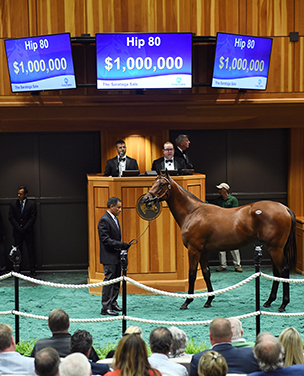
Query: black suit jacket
x,y
110,240
179,154
159,164
112,168
239,360
23,220
2,232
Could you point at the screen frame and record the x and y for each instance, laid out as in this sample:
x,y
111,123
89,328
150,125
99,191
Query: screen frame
x,y
247,87
145,88
40,90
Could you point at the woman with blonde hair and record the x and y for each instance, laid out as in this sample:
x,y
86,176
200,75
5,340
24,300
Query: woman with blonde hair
x,y
212,364
293,346
131,358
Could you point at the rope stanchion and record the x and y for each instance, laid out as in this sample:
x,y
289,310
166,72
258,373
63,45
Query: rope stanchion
x,y
257,264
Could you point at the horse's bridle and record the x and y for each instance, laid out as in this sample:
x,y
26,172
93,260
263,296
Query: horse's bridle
x,y
154,198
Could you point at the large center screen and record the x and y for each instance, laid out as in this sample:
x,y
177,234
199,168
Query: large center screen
x,y
241,62
144,61
40,63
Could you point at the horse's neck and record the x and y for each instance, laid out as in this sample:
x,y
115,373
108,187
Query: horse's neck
x,y
180,203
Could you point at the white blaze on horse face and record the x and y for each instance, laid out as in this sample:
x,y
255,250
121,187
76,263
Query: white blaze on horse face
x,y
258,212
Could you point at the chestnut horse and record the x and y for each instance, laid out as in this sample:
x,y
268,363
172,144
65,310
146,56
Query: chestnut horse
x,y
209,228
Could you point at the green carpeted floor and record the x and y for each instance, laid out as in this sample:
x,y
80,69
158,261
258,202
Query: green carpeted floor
x,y
40,300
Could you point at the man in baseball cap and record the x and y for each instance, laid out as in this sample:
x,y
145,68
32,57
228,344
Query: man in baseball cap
x,y
226,200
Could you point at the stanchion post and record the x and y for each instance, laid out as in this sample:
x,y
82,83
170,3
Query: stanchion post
x,y
257,263
124,268
15,257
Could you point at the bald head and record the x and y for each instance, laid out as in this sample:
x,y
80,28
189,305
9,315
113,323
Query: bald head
x,y
220,330
269,352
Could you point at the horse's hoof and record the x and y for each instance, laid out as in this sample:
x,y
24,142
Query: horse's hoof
x,y
267,304
281,309
184,306
207,305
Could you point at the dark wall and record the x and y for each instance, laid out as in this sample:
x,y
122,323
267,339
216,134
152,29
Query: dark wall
x,y
53,166
253,162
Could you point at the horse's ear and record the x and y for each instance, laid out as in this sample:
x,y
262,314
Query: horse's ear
x,y
158,171
167,173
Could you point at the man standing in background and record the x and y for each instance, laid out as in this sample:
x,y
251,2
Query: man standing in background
x,y
226,200
182,143
22,215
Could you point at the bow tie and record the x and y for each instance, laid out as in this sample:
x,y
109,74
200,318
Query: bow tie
x,y
169,160
122,159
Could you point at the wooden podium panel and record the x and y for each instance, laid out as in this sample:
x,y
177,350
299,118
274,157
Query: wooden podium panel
x,y
159,259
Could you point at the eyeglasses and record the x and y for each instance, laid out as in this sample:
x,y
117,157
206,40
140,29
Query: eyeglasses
x,y
168,149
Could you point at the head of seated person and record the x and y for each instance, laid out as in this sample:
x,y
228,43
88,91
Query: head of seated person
x,y
293,347
180,342
212,364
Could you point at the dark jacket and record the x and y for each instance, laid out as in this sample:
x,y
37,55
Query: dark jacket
x,y
22,221
159,164
112,166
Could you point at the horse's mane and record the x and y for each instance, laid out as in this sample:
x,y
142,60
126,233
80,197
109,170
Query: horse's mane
x,y
189,193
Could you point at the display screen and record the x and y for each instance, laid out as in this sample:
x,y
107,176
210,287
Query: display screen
x,y
144,61
40,63
241,62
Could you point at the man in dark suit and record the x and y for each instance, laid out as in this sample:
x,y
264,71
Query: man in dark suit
x,y
110,246
168,161
22,215
239,360
2,256
182,143
121,162
269,352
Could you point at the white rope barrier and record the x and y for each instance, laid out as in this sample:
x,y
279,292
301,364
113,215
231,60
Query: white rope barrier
x,y
155,291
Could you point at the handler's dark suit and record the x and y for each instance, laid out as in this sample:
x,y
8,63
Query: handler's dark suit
x,y
110,247
23,227
159,164
112,166
183,155
239,360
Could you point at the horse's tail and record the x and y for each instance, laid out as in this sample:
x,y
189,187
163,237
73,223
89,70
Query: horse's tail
x,y
290,249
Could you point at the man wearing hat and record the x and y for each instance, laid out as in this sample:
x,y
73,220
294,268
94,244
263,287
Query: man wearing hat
x,y
226,200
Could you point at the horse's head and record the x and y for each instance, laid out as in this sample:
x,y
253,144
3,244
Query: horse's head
x,y
160,189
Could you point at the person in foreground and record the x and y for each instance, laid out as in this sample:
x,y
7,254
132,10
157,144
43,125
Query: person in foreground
x,y
237,339
75,365
115,166
212,364
110,247
293,346
47,362
160,341
269,353
11,362
239,360
82,342
179,344
131,358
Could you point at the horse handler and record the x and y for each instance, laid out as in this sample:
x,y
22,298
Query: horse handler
x,y
226,200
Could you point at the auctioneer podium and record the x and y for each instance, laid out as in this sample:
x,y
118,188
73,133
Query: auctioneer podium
x,y
159,259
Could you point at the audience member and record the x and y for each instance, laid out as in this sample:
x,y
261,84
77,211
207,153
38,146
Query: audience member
x,y
212,364
269,353
47,362
239,360
160,343
182,143
81,342
121,162
133,329
131,358
237,339
293,346
180,342
59,323
75,365
168,161
11,361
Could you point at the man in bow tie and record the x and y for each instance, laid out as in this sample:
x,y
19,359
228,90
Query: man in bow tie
x,y
22,215
182,143
115,166
110,246
169,161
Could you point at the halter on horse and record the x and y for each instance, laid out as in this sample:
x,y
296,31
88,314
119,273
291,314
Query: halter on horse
x,y
209,228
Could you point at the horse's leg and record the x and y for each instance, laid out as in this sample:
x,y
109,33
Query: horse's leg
x,y
286,299
206,273
193,262
274,289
